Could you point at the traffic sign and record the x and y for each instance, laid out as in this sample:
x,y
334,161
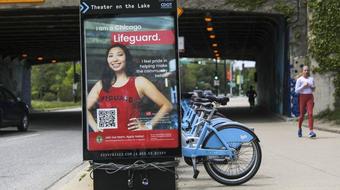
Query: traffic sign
x,y
216,82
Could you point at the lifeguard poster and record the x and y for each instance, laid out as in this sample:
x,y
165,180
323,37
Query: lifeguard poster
x,y
130,85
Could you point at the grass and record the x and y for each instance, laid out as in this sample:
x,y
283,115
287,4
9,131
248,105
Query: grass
x,y
329,115
52,105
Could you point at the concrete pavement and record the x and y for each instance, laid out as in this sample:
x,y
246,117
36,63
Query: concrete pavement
x,y
288,162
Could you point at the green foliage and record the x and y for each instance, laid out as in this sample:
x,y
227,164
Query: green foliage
x,y
249,76
35,94
197,76
54,82
247,4
49,97
284,8
325,37
65,93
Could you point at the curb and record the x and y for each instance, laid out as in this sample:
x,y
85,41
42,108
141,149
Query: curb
x,y
328,129
70,109
70,176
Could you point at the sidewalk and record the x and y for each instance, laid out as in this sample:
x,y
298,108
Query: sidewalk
x,y
326,126
318,124
80,178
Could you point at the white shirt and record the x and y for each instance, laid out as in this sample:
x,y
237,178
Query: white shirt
x,y
299,86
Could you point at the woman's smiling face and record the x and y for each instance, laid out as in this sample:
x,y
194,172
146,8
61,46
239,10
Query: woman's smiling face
x,y
116,59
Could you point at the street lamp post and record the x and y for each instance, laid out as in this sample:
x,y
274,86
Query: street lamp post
x,y
225,78
74,93
231,79
216,80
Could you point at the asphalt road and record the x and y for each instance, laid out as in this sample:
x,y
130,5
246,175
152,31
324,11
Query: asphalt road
x,y
36,159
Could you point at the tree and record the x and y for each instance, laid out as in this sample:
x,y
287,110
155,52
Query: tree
x,y
54,81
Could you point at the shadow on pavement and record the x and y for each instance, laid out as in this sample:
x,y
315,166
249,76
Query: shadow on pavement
x,y
13,131
71,120
56,120
245,114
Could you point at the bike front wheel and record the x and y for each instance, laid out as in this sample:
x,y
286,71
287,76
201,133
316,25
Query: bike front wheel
x,y
237,170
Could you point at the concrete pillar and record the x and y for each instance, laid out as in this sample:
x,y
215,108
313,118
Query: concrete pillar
x,y
324,91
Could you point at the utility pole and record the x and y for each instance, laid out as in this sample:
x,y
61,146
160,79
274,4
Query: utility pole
x,y
225,78
241,79
74,87
231,79
216,79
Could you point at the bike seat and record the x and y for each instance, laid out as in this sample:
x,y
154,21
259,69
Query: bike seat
x,y
222,100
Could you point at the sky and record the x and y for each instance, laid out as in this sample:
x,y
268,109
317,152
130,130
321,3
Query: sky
x,y
237,64
247,64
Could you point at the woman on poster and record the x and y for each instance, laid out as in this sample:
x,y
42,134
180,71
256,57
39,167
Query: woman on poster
x,y
120,91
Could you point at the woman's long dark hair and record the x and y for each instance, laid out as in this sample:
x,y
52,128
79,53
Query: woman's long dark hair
x,y
108,77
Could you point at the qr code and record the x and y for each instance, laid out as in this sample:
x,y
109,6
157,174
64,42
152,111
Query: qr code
x,y
107,118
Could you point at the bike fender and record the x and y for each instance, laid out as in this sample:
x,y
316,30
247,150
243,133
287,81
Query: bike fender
x,y
219,120
239,125
233,135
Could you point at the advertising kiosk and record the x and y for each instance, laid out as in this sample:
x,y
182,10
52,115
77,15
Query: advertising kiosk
x,y
130,92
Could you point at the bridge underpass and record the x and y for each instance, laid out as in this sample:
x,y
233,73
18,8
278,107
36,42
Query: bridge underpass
x,y
244,36
33,36
53,35
50,33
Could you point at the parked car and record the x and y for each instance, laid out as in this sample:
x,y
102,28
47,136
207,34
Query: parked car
x,y
13,112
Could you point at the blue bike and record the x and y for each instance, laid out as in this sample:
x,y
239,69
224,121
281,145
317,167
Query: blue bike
x,y
230,152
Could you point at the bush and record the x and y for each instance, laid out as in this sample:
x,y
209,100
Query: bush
x,y
65,94
49,97
35,95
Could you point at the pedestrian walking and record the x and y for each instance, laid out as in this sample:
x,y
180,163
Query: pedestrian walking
x,y
251,94
305,87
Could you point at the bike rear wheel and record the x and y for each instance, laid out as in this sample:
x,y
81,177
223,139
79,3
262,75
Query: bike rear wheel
x,y
238,170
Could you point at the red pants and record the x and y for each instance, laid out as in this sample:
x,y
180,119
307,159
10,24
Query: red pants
x,y
306,100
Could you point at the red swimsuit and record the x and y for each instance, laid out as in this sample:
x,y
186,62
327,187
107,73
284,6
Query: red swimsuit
x,y
125,99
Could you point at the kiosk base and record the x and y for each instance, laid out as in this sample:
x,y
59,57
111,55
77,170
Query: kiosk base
x,y
152,179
